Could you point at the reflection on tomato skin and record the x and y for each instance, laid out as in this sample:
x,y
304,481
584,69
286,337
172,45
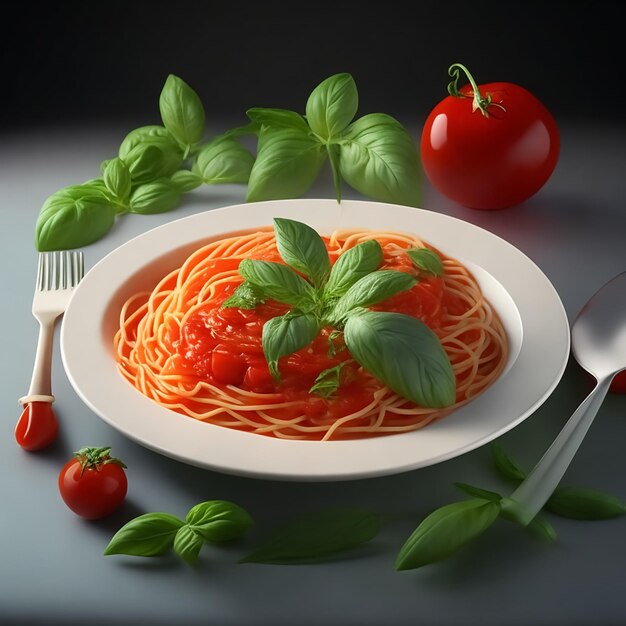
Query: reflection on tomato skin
x,y
494,161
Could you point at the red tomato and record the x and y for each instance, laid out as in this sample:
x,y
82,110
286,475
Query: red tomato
x,y
619,383
93,484
489,146
37,427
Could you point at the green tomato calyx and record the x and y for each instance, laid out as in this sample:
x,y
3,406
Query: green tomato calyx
x,y
480,103
93,458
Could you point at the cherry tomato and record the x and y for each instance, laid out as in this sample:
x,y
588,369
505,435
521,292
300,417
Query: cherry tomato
x,y
93,484
489,146
37,427
619,383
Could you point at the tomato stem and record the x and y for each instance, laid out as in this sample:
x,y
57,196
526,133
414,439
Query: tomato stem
x,y
481,102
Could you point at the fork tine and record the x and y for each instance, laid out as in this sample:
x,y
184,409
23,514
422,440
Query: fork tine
x,y
77,268
59,270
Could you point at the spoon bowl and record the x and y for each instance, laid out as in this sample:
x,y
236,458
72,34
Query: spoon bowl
x,y
599,346
599,331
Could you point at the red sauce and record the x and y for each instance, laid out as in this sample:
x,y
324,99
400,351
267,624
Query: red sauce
x,y
223,346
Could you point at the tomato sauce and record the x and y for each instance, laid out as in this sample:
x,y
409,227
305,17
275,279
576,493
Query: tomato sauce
x,y
223,347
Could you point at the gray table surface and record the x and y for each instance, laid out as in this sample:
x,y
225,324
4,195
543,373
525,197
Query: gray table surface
x,y
51,565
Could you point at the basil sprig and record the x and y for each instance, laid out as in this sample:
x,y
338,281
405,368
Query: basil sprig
x,y
374,154
399,350
155,166
573,502
153,534
452,526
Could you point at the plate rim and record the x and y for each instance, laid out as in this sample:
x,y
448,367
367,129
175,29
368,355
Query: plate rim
x,y
261,467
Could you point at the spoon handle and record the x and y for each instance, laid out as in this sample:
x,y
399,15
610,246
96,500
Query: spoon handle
x,y
539,485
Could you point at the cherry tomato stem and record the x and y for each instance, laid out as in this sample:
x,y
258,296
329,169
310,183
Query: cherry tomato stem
x,y
37,426
481,103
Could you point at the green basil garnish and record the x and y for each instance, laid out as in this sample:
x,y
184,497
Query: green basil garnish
x,y
446,530
277,281
74,217
405,354
147,535
332,105
379,158
285,335
217,521
288,161
156,197
353,265
222,161
153,534
302,249
317,537
585,504
182,112
328,381
245,296
426,260
369,290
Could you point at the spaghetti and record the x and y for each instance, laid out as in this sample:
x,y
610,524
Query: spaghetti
x,y
181,348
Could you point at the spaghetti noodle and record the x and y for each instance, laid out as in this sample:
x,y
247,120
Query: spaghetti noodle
x,y
181,348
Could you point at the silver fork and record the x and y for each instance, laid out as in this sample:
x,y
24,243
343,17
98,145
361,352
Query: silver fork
x,y
58,274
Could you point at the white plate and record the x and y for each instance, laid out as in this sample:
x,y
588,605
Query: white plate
x,y
527,303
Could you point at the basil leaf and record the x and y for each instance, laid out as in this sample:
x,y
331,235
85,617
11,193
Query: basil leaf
x,y
446,530
157,197
585,504
538,527
182,112
74,217
371,289
157,136
285,335
379,158
403,353
223,160
317,537
277,281
505,466
477,492
277,118
353,265
147,535
218,520
332,105
117,178
187,544
146,162
541,529
328,381
426,260
245,296
184,180
302,248
287,163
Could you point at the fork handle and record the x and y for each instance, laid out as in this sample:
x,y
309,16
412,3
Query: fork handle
x,y
41,382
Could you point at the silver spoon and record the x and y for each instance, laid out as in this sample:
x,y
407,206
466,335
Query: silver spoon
x,y
599,346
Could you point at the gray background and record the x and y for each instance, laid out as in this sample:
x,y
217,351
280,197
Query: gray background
x,y
77,79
